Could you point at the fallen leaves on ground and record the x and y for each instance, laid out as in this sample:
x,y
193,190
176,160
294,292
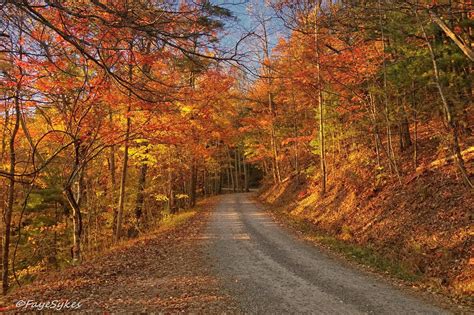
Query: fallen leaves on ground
x,y
167,272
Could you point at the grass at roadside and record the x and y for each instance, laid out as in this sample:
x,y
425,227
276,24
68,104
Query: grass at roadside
x,y
175,220
360,254
163,271
172,221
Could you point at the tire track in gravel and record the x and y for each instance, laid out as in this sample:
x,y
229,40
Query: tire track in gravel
x,y
267,270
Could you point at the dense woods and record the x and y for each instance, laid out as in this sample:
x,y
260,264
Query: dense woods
x,y
354,75
115,114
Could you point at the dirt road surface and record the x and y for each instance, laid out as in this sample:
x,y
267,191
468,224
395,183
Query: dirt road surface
x,y
231,260
268,270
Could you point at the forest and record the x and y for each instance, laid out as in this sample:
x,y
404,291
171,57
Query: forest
x,y
118,114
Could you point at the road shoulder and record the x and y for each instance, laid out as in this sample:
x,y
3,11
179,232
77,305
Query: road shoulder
x,y
310,235
164,272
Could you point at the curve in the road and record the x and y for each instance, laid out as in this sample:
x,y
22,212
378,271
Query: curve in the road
x,y
270,271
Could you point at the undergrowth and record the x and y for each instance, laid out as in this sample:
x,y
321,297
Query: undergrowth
x,y
360,254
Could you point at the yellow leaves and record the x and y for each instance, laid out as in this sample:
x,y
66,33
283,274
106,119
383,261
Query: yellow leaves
x,y
186,109
143,153
30,270
161,198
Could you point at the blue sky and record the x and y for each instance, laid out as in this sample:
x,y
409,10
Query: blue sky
x,y
244,23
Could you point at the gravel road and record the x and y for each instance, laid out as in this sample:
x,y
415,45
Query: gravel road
x,y
267,270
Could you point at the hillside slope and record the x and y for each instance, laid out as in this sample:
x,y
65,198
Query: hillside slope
x,y
423,226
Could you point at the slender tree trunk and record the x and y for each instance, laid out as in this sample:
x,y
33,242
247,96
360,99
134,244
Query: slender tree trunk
x,y
231,174
123,179
296,135
236,170
388,127
221,182
377,148
404,130
376,131
322,148
227,172
415,144
246,175
272,110
10,193
415,131
8,212
76,177
88,234
265,167
276,164
77,224
113,182
140,200
231,171
205,186
239,169
141,193
193,183
449,33
4,132
170,183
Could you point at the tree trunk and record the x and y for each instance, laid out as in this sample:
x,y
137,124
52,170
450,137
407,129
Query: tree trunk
x,y
192,197
141,193
170,184
227,171
296,135
4,133
221,182
415,144
265,167
276,165
246,175
238,183
271,107
377,148
231,173
7,215
77,224
457,40
404,128
405,139
123,179
113,182
415,131
322,148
